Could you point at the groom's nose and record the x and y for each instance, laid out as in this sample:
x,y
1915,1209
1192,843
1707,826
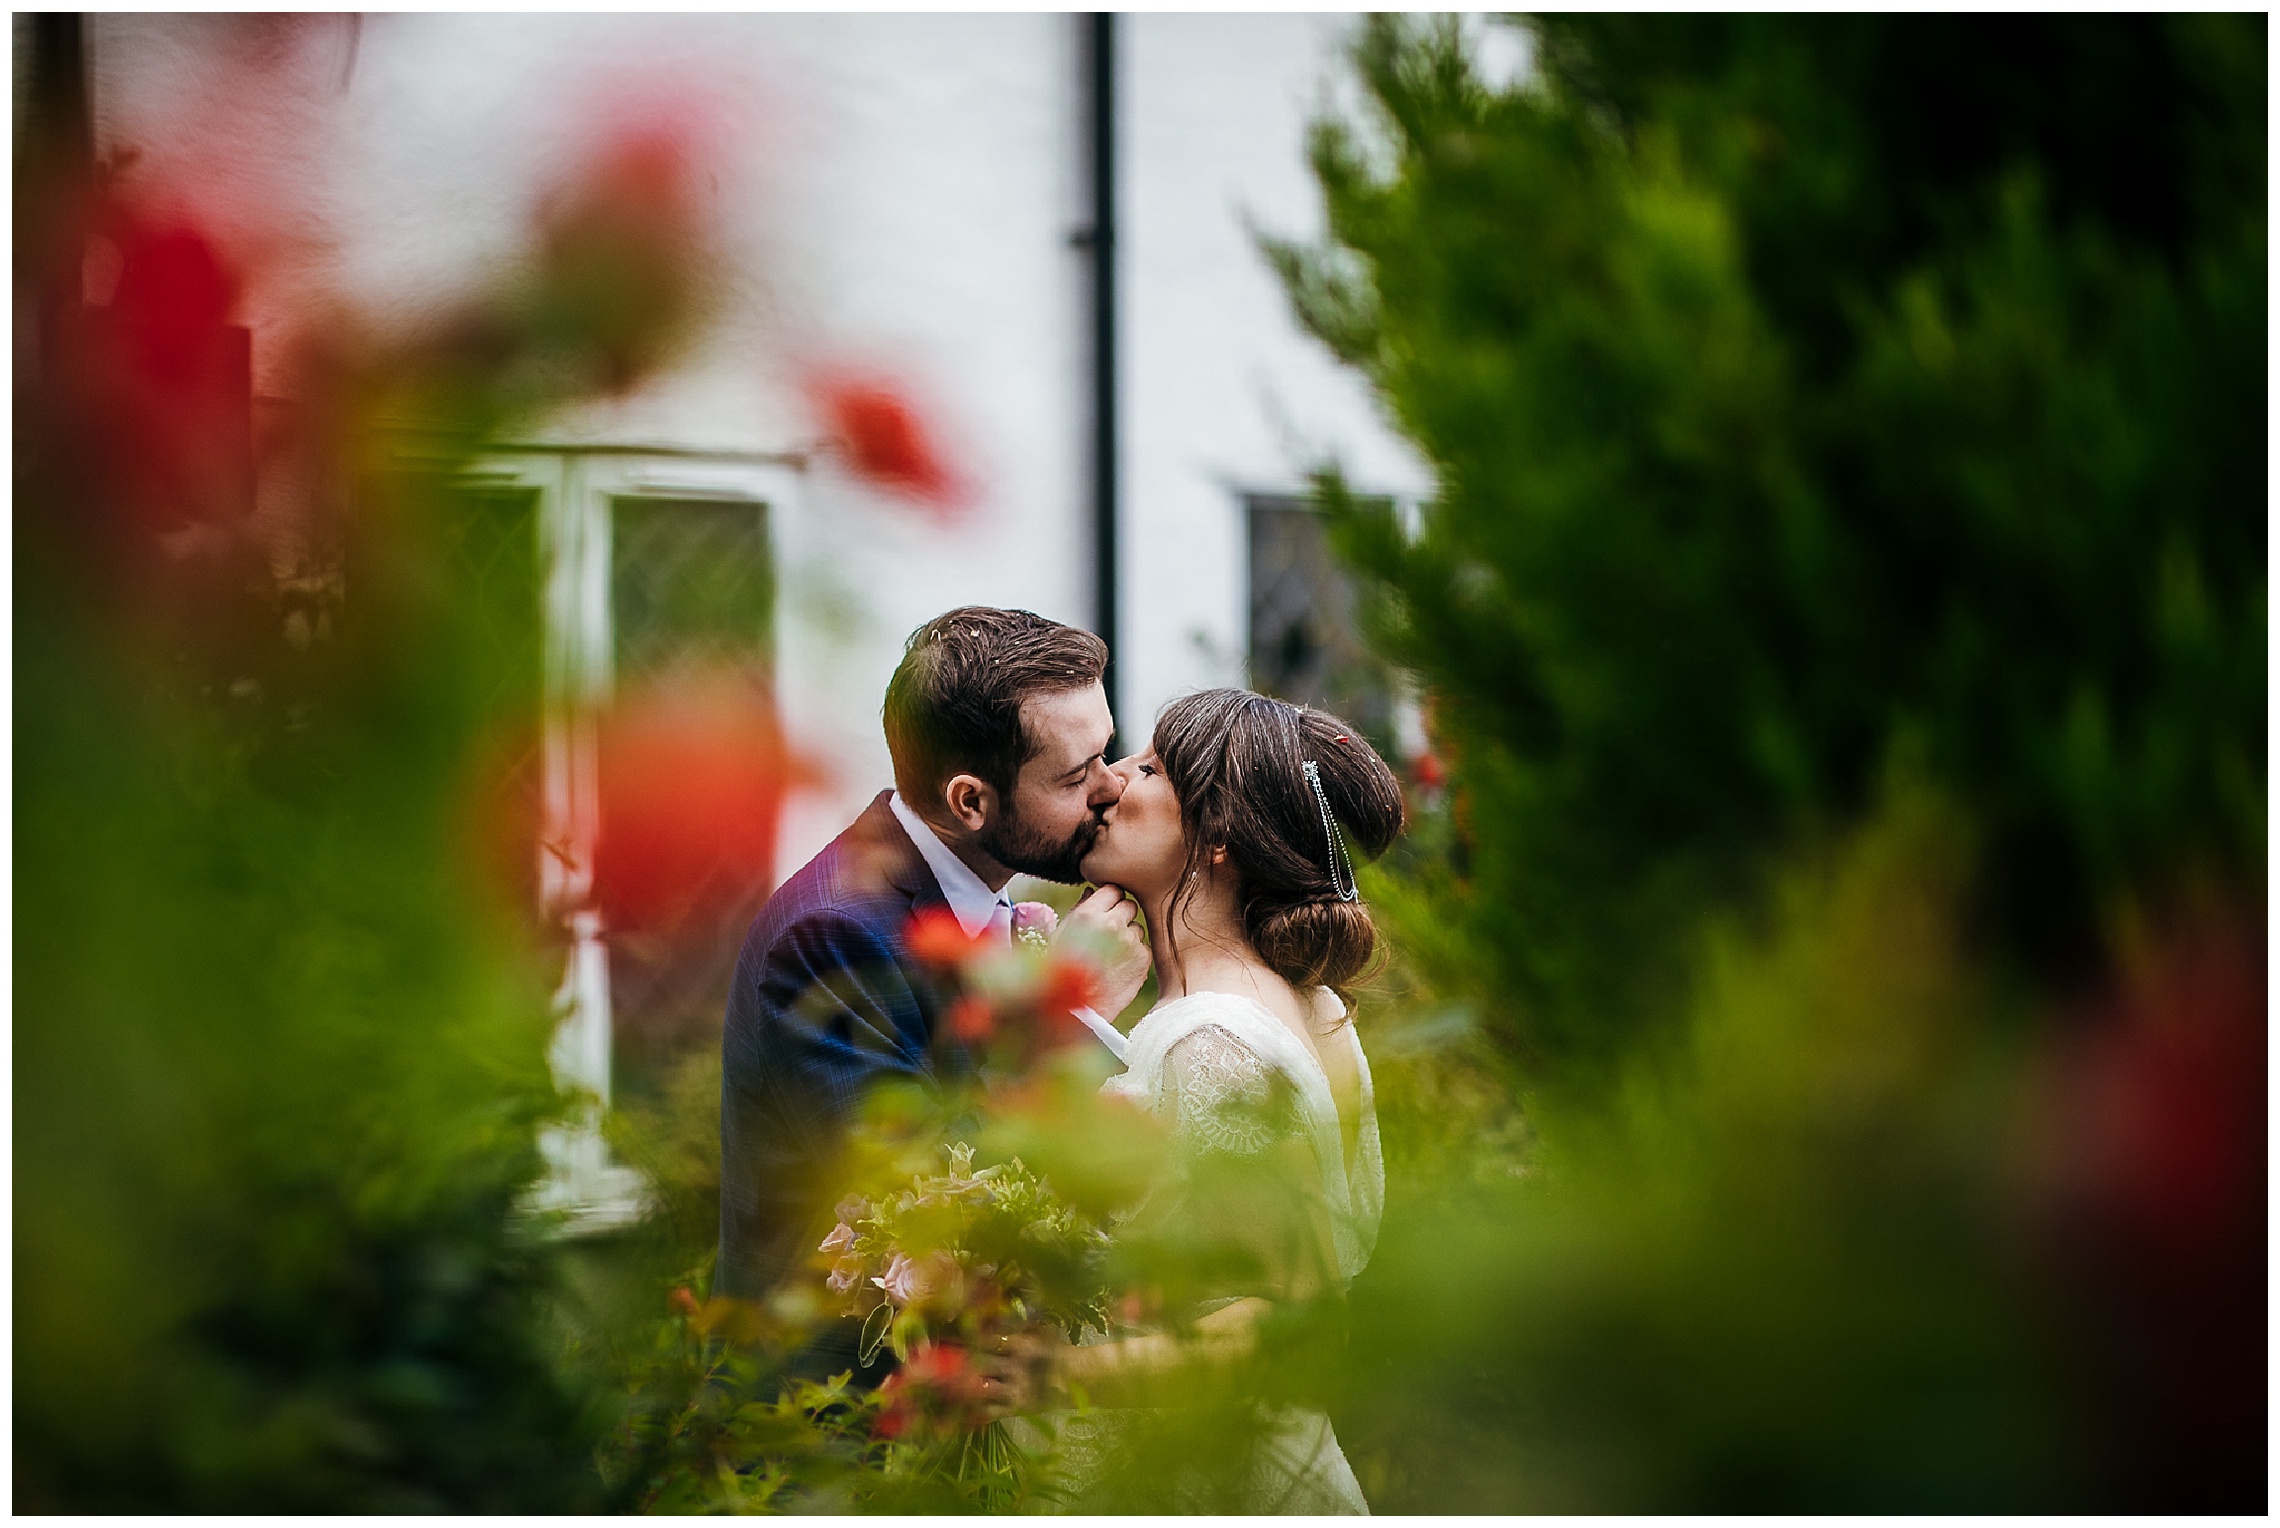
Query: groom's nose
x,y
1106,785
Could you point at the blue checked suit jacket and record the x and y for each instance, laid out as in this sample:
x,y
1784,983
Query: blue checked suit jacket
x,y
825,1003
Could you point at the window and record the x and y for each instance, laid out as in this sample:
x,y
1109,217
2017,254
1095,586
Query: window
x,y
646,563
1306,644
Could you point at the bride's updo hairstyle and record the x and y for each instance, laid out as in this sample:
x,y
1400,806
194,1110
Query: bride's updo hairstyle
x,y
1237,762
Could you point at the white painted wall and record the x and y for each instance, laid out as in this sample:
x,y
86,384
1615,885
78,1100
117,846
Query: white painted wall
x,y
1225,394
895,190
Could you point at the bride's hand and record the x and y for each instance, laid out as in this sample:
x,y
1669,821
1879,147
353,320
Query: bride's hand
x,y
1021,1371
1107,923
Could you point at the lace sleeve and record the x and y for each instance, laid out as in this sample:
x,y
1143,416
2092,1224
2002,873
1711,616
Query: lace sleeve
x,y
1218,1096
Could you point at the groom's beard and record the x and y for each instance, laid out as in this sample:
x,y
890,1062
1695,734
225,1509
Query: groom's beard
x,y
1013,844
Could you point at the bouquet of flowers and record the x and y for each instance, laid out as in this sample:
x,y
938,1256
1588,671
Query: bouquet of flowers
x,y
943,1262
964,1255
936,1272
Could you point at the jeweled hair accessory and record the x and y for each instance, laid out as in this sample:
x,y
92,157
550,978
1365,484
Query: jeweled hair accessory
x,y
1348,889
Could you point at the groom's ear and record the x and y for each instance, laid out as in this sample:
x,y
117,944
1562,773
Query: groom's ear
x,y
971,800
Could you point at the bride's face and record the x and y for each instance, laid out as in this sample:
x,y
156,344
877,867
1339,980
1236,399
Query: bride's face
x,y
1141,847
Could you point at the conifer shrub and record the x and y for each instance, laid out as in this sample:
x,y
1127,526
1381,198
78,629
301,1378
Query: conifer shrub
x,y
1809,398
1841,614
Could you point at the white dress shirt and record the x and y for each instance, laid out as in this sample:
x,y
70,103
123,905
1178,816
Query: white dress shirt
x,y
972,903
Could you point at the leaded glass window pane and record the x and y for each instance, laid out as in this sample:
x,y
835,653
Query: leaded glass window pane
x,y
1306,645
692,587
690,584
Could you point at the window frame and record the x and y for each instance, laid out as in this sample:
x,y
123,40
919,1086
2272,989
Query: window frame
x,y
575,488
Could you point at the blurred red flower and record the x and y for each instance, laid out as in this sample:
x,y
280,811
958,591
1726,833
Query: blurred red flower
x,y
163,380
621,245
1070,984
693,773
173,291
937,1385
934,937
971,1021
2157,1121
884,439
2149,1151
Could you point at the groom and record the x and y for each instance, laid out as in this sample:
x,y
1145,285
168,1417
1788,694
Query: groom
x,y
998,728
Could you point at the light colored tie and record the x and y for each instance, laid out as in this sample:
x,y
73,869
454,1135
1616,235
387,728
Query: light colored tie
x,y
1000,927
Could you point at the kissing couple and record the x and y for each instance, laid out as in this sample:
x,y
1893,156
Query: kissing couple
x,y
1232,834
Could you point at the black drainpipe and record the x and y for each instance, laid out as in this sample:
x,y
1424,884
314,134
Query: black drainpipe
x,y
1100,73
57,164
58,114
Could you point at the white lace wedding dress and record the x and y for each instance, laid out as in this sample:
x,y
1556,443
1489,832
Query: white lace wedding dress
x,y
1228,1078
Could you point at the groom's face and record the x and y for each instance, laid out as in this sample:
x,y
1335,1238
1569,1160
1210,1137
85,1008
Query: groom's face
x,y
1063,792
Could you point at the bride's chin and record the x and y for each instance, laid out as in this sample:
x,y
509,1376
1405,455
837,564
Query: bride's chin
x,y
1099,866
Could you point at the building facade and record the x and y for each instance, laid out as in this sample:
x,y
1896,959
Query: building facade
x,y
915,197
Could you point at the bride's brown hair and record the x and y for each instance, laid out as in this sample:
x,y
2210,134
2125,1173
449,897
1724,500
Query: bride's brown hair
x,y
1237,762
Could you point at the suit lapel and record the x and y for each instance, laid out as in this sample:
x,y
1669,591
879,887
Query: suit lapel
x,y
885,859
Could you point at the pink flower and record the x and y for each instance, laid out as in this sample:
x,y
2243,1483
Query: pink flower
x,y
844,1274
900,1281
841,1238
1035,917
910,1281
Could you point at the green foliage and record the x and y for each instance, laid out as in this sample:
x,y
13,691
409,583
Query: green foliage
x,y
936,1264
281,1021
1756,1279
278,1064
1842,615
673,1141
711,1425
1810,397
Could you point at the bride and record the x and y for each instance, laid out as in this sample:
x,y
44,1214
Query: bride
x,y
1233,833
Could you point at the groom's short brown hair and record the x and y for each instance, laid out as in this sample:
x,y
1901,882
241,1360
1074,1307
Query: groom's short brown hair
x,y
954,704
